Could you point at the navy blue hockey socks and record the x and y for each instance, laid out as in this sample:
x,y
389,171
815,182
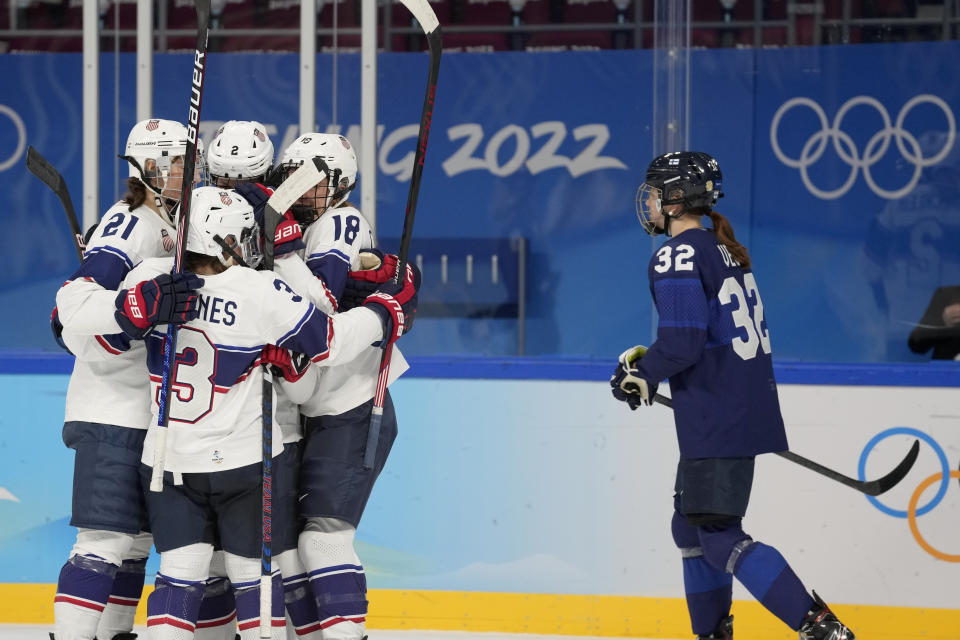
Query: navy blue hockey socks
x,y
767,576
709,594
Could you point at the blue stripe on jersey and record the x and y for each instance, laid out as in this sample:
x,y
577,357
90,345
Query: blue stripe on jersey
x,y
113,250
106,268
330,252
118,341
232,363
310,336
681,302
332,267
298,326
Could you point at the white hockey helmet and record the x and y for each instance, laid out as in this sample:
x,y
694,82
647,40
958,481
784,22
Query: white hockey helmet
x,y
221,220
153,148
340,159
240,151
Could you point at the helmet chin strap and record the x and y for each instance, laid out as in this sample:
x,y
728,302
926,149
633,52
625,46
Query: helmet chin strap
x,y
158,200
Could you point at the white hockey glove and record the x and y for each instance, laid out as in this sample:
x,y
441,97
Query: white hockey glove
x,y
625,383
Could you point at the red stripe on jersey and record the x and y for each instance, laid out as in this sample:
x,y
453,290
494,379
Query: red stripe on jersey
x,y
106,345
325,354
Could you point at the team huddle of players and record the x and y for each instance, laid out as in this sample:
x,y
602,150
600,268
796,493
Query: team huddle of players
x,y
318,321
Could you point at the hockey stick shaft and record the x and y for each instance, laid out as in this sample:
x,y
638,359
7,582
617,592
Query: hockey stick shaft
x,y
428,21
270,221
189,164
38,166
871,488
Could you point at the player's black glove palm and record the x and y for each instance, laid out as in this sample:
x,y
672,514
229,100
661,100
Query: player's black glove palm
x,y
164,300
626,384
395,303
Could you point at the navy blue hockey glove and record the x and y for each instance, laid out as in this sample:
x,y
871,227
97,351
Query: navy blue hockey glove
x,y
358,286
165,299
395,303
626,384
256,195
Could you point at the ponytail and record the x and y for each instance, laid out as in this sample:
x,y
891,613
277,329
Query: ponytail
x,y
136,193
724,232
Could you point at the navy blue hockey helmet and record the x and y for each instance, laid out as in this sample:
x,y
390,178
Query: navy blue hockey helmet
x,y
688,178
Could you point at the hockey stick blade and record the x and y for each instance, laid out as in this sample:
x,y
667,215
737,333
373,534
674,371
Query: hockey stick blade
x,y
870,487
424,14
40,167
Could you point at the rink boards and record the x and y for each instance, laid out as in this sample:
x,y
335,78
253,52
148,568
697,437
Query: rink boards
x,y
516,503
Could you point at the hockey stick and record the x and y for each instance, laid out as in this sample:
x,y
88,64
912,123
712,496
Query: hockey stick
x,y
871,488
38,166
299,182
427,19
189,162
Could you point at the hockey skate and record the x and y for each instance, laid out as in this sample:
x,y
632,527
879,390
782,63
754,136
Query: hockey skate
x,y
822,624
724,631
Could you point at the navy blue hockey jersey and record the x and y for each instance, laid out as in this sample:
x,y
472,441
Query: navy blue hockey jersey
x,y
714,346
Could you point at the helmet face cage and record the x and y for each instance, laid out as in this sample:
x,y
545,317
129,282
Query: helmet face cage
x,y
338,161
650,208
311,205
248,248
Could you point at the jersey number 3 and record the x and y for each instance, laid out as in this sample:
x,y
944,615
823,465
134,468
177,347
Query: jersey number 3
x,y
192,385
747,315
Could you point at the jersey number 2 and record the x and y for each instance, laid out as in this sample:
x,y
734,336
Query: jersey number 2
x,y
747,315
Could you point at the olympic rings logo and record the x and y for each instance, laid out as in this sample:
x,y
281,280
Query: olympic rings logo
x,y
21,137
913,511
846,149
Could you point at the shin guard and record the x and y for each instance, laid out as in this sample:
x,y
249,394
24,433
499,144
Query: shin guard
x,y
125,595
338,582
297,597
767,576
173,607
82,593
217,619
244,574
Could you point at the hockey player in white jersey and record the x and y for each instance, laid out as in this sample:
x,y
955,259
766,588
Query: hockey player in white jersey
x,y
108,406
334,483
213,446
242,152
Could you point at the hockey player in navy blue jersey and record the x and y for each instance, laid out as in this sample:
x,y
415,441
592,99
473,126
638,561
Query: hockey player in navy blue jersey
x,y
713,344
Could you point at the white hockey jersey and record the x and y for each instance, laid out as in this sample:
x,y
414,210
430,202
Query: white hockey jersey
x,y
215,402
108,384
333,245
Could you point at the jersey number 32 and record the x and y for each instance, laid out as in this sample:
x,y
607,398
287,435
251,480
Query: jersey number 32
x,y
747,315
